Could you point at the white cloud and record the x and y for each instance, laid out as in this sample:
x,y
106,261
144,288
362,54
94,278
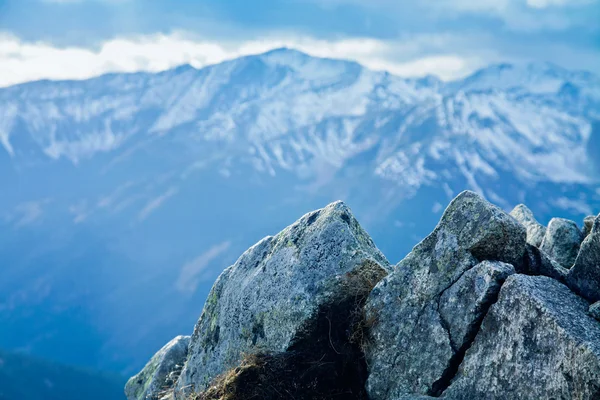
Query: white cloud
x,y
155,203
29,212
196,271
22,61
557,3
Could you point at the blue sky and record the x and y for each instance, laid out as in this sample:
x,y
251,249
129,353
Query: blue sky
x,y
63,39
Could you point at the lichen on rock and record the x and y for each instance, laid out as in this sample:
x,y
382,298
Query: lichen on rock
x,y
160,374
536,342
535,230
268,297
411,349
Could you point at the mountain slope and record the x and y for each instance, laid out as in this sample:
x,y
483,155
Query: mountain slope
x,y
126,195
26,378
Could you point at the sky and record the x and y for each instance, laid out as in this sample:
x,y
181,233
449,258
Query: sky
x,y
78,39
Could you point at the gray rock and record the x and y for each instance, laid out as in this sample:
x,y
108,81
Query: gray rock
x,y
464,304
584,277
562,241
410,348
264,301
159,375
539,263
594,310
588,222
535,230
536,342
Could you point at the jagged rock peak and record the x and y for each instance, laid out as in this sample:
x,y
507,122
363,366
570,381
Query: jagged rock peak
x,y
412,350
272,297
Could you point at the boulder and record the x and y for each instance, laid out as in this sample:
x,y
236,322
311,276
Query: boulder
x,y
463,305
588,222
270,299
410,350
562,241
535,230
536,342
539,263
158,377
584,277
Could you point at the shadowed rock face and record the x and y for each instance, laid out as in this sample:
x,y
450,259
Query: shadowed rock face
x,y
474,311
160,374
562,241
584,277
411,349
264,301
535,230
536,342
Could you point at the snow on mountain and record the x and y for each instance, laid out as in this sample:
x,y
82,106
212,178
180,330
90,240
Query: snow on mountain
x,y
145,174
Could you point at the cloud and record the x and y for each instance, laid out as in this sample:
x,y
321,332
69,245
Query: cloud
x,y
516,15
196,271
22,61
155,203
540,4
28,213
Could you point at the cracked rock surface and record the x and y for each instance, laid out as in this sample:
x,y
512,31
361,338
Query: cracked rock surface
x,y
411,350
464,304
536,342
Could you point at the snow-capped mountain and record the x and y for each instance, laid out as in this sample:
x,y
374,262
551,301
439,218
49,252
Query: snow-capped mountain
x,y
115,185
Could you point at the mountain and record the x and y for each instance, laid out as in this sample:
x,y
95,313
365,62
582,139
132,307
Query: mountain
x,y
27,378
124,196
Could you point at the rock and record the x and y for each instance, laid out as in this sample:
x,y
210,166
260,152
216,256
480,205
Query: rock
x,y
584,277
410,350
539,263
536,342
269,299
464,304
588,222
562,241
594,310
159,375
535,230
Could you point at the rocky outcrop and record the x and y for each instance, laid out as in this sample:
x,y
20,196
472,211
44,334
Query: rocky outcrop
x,y
411,349
535,230
475,311
272,296
158,377
536,342
584,277
562,241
